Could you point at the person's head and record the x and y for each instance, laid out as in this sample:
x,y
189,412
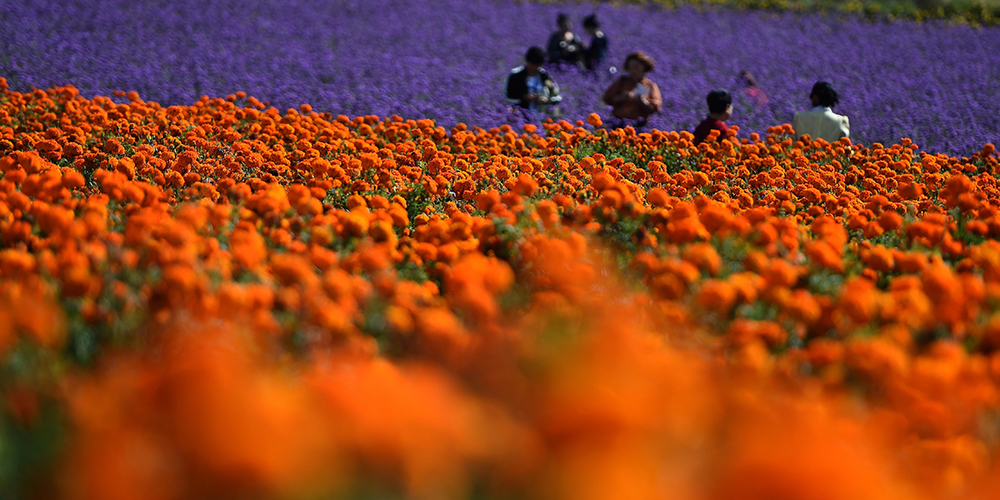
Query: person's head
x,y
720,104
637,64
747,79
590,24
565,24
534,59
823,94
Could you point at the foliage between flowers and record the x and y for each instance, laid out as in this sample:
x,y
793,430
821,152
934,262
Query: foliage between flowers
x,y
220,300
447,59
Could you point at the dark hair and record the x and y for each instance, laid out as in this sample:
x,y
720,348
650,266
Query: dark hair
x,y
719,100
591,22
562,18
641,57
748,78
535,55
825,94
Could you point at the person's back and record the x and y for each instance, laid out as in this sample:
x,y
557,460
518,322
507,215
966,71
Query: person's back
x,y
821,122
720,109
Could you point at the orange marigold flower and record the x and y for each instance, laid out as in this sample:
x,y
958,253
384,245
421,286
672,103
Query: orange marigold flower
x,y
718,296
823,254
880,259
657,197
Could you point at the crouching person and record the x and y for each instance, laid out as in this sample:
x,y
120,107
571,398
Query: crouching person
x,y
530,87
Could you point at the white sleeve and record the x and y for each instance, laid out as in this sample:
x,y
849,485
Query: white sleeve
x,y
554,96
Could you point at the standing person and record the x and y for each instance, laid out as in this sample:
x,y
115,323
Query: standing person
x,y
720,109
633,96
821,122
597,51
751,90
564,45
530,86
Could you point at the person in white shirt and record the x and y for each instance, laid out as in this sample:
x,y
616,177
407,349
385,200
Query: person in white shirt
x,y
821,122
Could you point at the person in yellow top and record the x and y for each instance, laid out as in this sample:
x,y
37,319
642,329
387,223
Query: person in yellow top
x,y
821,122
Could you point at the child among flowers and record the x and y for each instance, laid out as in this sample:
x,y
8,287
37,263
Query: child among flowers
x,y
720,109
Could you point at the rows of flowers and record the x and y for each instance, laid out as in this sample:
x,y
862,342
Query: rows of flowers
x,y
973,12
446,60
225,301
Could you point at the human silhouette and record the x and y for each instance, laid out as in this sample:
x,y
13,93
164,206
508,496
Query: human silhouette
x,y
633,96
821,121
564,45
531,87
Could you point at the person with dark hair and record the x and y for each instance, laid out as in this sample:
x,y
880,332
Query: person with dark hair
x,y
633,96
821,122
597,51
564,45
751,90
530,86
720,109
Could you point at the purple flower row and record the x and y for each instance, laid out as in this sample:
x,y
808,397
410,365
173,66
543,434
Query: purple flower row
x,y
446,60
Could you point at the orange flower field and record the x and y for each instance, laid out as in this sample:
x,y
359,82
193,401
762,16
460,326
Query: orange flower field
x,y
227,301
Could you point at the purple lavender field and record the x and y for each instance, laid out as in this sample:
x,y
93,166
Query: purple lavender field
x,y
447,59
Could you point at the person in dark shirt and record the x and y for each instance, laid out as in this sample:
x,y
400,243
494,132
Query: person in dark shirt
x,y
564,45
530,86
597,51
720,109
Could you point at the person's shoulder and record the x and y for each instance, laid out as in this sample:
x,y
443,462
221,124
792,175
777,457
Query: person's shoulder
x,y
517,70
834,116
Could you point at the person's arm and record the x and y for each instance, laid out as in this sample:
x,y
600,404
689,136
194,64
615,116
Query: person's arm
x,y
553,48
699,133
595,51
796,127
612,91
845,128
615,94
508,92
653,101
554,96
